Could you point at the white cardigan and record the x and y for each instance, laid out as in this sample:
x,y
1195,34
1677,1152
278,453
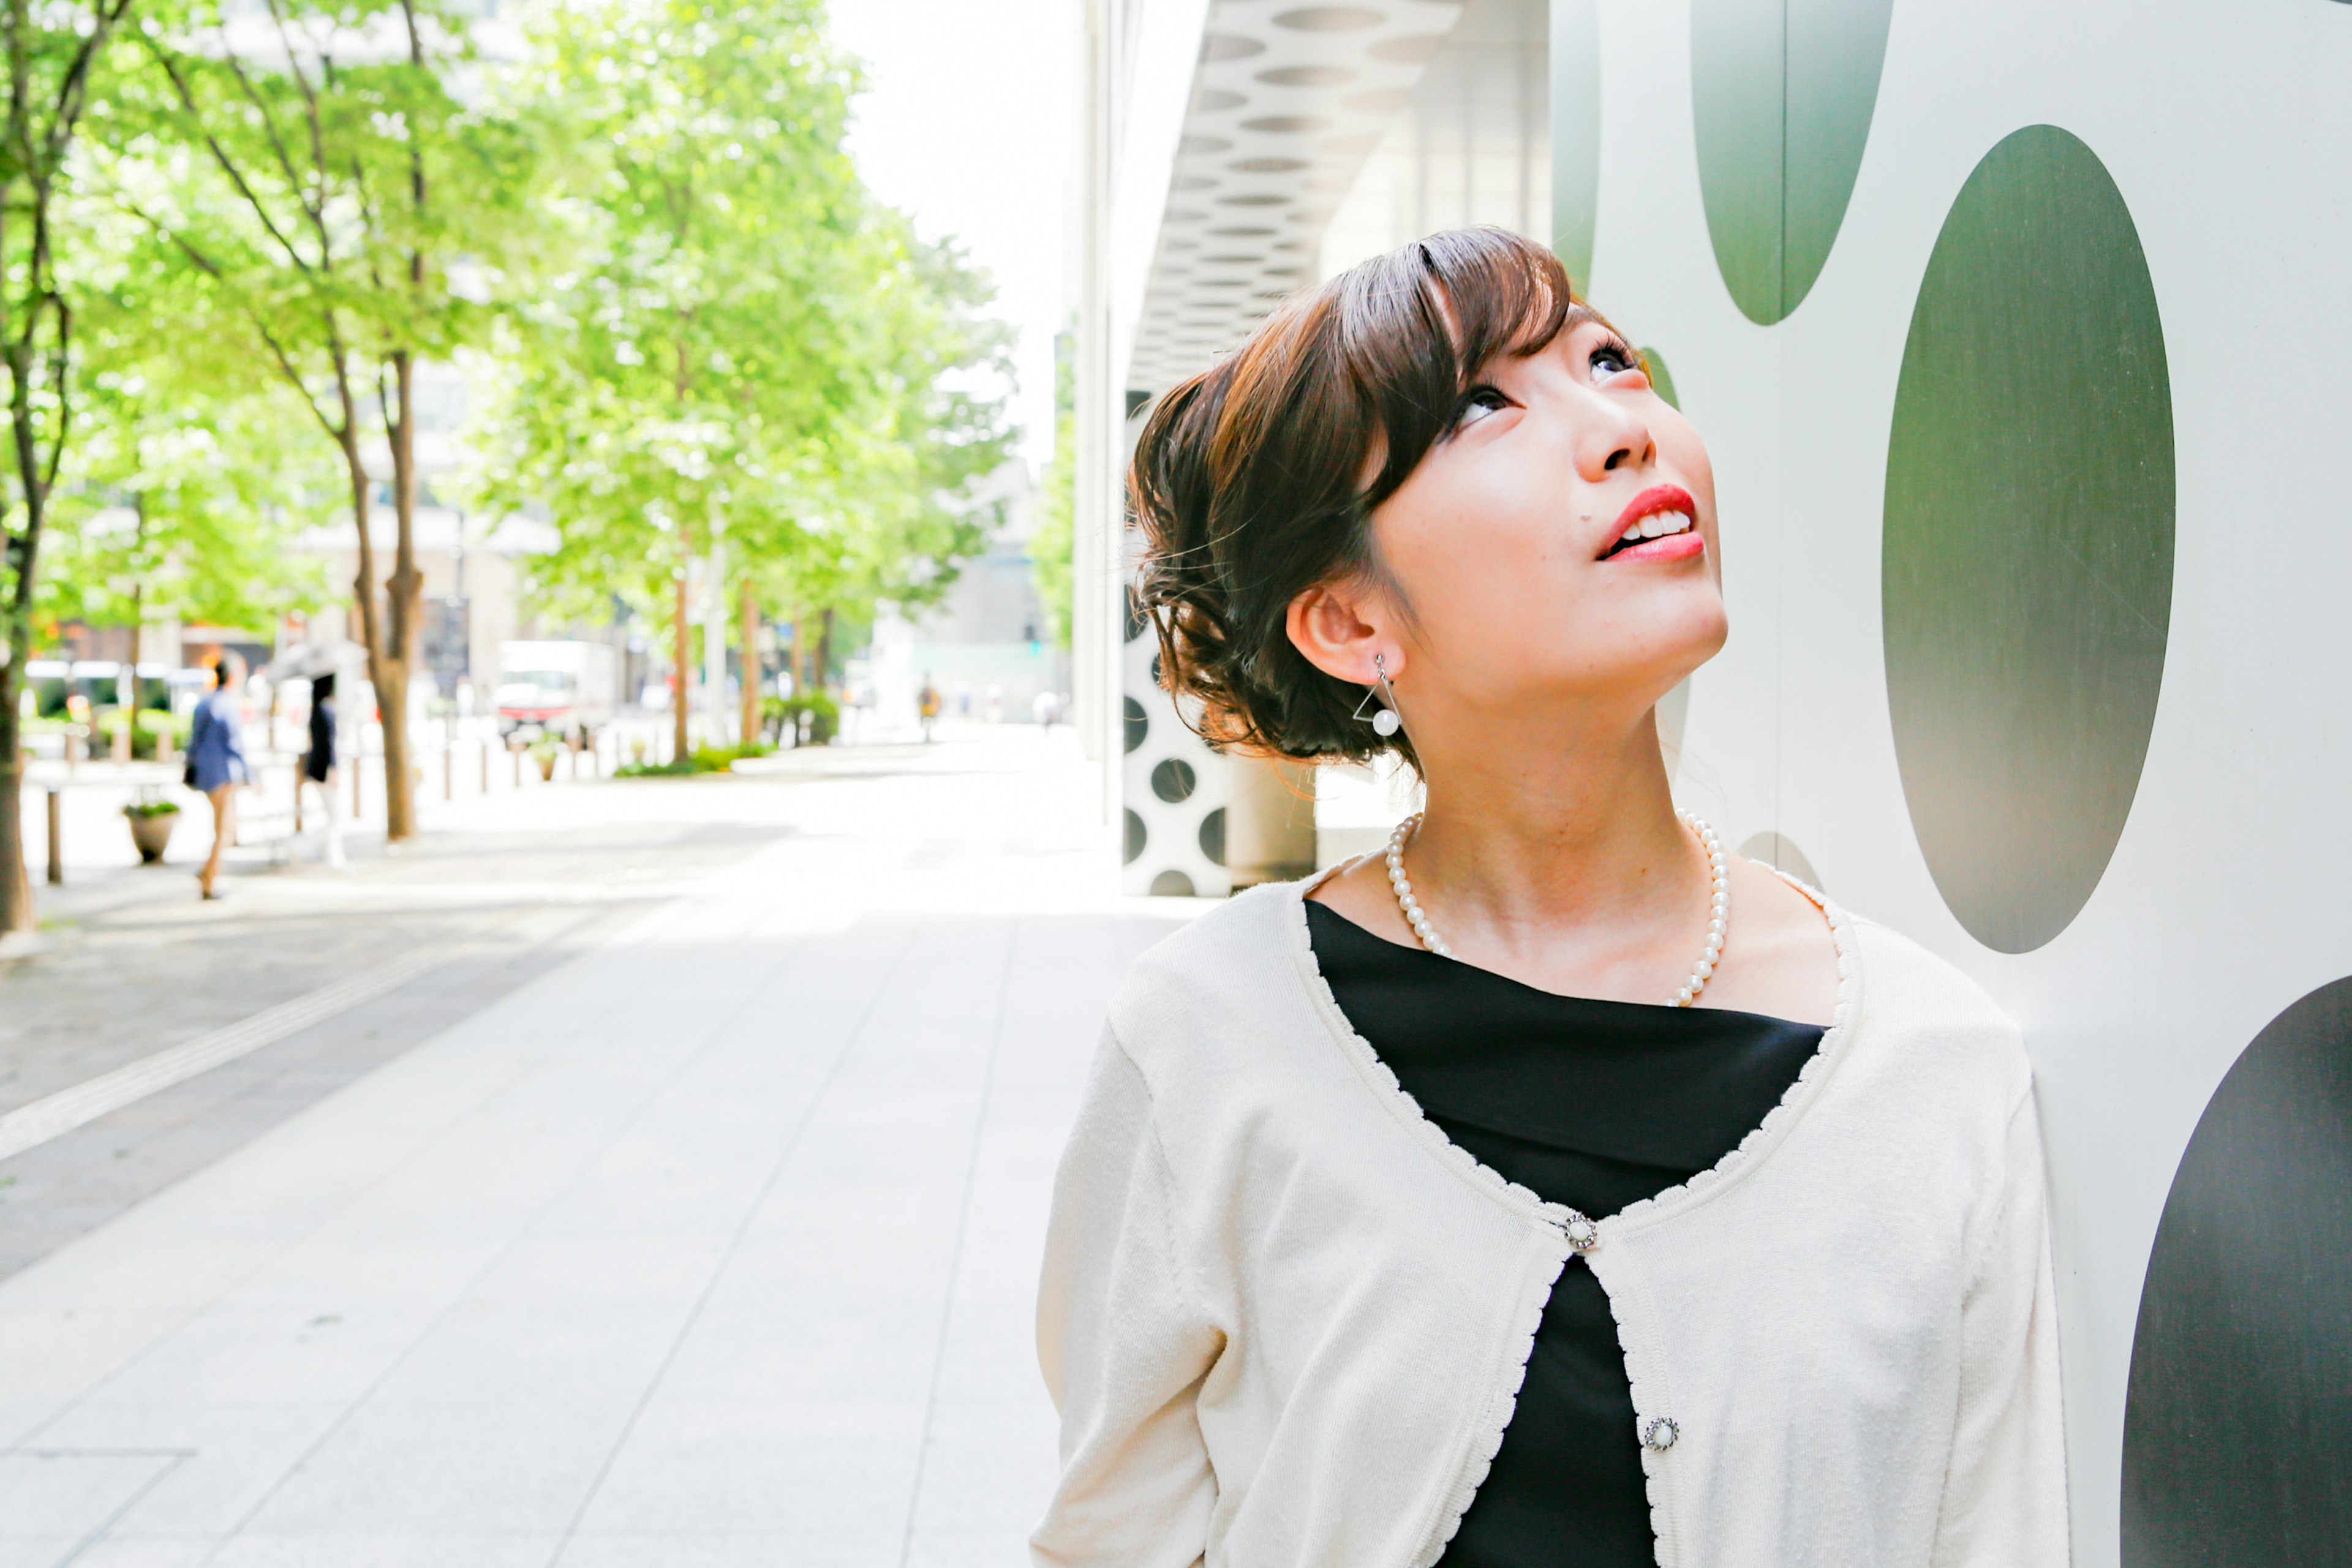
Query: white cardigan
x,y
1286,1319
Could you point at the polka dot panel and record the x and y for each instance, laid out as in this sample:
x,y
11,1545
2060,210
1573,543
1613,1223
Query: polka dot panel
x,y
1173,785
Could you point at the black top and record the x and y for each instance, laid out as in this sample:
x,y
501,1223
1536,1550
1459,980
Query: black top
x,y
1591,1104
319,760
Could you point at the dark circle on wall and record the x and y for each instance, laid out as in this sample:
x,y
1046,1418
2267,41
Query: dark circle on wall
x,y
1782,92
1213,836
2236,1420
1155,671
1138,722
1137,836
1171,884
1777,851
2026,577
1662,380
1174,780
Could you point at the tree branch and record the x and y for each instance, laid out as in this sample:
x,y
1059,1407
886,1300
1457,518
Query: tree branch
x,y
228,166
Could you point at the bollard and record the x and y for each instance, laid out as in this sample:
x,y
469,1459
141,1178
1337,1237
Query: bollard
x,y
515,752
298,796
57,838
486,767
359,801
448,769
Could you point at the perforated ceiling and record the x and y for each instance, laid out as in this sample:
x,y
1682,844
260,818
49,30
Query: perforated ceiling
x,y
1287,102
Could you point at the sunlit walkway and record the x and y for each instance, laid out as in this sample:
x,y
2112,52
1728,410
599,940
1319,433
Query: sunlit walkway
x,y
714,1245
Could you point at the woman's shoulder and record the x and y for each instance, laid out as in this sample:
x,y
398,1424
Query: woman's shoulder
x,y
1931,1008
1221,978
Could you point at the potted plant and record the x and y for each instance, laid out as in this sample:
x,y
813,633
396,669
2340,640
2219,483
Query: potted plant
x,y
544,750
152,819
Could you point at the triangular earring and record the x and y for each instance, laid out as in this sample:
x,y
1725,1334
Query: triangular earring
x,y
1383,720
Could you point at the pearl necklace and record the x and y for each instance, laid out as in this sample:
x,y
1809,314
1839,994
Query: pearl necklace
x,y
1718,913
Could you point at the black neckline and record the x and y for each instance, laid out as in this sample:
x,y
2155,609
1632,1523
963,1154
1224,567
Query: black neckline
x,y
1455,968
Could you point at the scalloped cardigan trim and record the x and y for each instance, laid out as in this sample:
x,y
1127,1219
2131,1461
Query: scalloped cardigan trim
x,y
1285,1320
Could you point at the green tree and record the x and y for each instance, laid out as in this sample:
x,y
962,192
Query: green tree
x,y
54,53
186,489
318,171
745,364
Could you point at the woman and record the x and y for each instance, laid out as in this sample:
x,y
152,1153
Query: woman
x,y
1556,1187
216,765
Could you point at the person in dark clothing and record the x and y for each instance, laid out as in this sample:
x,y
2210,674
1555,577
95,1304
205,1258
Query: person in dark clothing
x,y
319,761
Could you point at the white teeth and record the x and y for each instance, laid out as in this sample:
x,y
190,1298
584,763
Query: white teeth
x,y
1657,525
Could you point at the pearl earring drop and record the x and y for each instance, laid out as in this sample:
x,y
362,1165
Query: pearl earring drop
x,y
1383,719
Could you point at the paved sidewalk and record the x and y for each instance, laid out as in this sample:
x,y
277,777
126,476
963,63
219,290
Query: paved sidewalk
x,y
714,1245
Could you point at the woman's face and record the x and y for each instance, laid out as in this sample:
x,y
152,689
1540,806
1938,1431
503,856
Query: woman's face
x,y
1558,546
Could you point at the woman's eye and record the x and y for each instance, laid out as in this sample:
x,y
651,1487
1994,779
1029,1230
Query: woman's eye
x,y
1479,403
1613,359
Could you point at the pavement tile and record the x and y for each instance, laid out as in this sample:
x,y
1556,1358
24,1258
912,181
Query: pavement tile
x,y
347,1550
274,1354
411,1468
825,1470
989,1468
875,1545
51,1492
233,1455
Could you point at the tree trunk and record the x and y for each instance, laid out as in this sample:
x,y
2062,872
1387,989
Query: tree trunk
x,y
747,615
824,649
16,884
404,594
23,550
678,670
347,439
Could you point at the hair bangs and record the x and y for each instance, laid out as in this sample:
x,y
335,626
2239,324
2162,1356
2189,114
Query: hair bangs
x,y
1416,325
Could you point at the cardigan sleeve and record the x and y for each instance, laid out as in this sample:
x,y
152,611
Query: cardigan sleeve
x,y
2005,1496
1123,1342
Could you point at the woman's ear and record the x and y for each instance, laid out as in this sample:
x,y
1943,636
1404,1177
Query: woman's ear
x,y
1337,631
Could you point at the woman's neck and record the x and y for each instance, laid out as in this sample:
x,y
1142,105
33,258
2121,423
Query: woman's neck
x,y
1529,838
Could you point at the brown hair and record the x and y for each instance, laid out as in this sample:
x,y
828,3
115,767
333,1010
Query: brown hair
x,y
1249,480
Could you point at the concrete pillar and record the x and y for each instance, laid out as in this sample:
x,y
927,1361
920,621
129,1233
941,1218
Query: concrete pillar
x,y
1269,820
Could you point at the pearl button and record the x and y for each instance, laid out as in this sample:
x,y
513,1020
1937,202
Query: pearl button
x,y
1660,1434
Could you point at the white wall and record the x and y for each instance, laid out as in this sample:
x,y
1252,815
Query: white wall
x,y
2223,128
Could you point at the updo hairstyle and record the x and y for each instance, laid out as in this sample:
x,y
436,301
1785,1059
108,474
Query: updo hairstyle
x,y
1257,479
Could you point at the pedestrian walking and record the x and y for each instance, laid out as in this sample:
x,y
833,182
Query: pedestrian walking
x,y
216,765
319,763
1555,1186
927,704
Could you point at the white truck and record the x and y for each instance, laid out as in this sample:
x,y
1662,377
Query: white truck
x,y
556,688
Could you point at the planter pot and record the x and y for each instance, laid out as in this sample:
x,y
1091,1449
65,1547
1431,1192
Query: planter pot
x,y
152,835
547,767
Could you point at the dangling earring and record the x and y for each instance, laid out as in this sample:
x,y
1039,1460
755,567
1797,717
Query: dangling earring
x,y
1384,721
